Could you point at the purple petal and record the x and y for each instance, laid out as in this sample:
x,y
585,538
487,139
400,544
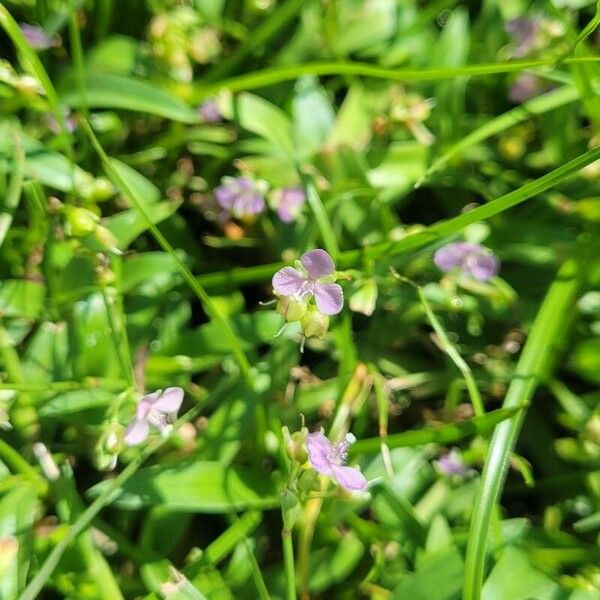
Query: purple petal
x,y
36,37
317,263
169,401
209,111
145,404
525,87
290,203
319,452
452,255
136,432
329,298
287,281
349,477
482,266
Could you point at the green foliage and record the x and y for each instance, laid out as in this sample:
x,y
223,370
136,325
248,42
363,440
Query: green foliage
x,y
406,126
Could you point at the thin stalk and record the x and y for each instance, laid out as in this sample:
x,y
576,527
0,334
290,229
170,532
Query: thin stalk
x,y
13,193
18,464
275,75
454,355
288,554
323,222
87,516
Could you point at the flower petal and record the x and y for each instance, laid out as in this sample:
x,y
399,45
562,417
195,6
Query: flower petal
x,y
287,281
170,400
349,478
136,432
450,256
145,404
329,298
317,263
319,452
482,266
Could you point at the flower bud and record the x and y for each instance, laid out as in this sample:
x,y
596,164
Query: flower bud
x,y
295,444
308,481
106,239
80,221
315,324
291,309
102,189
109,446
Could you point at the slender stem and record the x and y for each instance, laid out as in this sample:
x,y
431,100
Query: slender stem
x,y
12,458
323,222
454,355
87,516
275,75
288,553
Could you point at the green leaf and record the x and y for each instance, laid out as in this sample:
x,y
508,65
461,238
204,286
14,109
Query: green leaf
x,y
444,434
21,298
438,576
103,90
75,401
130,224
259,116
200,487
515,578
17,515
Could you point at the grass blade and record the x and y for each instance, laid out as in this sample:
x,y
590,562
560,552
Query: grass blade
x,y
538,353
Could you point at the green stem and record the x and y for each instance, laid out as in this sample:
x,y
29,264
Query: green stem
x,y
327,233
454,355
288,554
537,356
87,516
13,193
275,75
14,460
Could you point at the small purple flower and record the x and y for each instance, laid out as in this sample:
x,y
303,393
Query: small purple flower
x,y
291,200
240,196
525,87
311,278
471,259
524,33
54,126
330,460
36,37
158,409
209,111
451,464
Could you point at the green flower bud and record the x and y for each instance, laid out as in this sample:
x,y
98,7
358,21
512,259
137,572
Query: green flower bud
x,y
106,239
102,189
308,481
80,221
291,309
315,324
295,444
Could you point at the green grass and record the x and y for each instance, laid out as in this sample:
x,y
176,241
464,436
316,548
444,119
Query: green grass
x,y
121,275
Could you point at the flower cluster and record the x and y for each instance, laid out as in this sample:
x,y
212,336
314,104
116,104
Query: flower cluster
x,y
312,278
180,38
244,198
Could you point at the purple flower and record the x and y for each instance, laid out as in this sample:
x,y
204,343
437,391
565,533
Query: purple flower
x,y
471,259
36,37
158,409
291,200
54,126
330,460
525,87
209,111
524,33
311,278
451,464
240,196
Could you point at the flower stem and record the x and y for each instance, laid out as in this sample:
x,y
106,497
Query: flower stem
x,y
288,554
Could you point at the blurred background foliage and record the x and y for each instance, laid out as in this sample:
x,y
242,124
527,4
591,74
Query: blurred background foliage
x,y
93,308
